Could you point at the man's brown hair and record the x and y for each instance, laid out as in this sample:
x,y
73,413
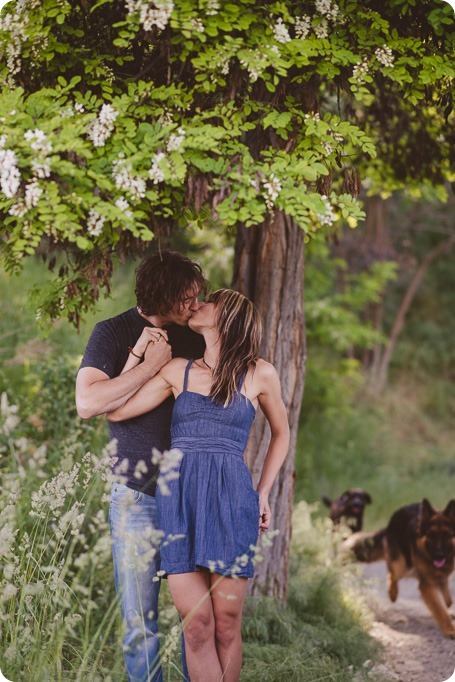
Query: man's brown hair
x,y
163,280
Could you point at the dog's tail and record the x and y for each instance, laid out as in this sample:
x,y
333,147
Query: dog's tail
x,y
367,547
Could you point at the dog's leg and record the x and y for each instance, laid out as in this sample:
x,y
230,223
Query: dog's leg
x,y
431,598
392,583
445,589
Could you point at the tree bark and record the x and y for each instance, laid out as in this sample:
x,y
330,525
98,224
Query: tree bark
x,y
268,268
439,250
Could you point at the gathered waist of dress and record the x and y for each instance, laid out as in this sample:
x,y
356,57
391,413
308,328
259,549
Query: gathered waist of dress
x,y
209,445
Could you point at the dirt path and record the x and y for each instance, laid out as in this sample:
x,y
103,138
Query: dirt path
x,y
415,650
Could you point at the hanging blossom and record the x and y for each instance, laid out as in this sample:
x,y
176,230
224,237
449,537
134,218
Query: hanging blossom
x,y
255,63
384,55
272,188
32,193
327,9
213,7
103,126
15,24
176,140
38,141
302,27
321,29
125,179
360,70
197,25
95,222
153,14
280,32
156,174
124,206
10,176
327,217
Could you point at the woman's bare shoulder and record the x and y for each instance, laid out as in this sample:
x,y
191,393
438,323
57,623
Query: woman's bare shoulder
x,y
264,371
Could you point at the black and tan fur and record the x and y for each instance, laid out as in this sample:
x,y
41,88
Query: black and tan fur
x,y
419,541
349,508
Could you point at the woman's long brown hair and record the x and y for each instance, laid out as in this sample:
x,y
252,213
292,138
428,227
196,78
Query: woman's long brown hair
x,y
240,328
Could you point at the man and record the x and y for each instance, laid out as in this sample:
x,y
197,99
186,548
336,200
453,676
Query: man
x,y
167,290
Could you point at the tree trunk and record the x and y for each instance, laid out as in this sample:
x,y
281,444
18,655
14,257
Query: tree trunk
x,y
439,250
269,266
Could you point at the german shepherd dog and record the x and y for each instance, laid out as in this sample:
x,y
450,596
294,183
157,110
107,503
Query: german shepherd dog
x,y
419,542
349,507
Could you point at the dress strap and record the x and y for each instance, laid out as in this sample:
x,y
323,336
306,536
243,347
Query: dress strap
x,y
185,378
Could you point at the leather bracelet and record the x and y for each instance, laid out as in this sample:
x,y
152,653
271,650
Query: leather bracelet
x,y
139,357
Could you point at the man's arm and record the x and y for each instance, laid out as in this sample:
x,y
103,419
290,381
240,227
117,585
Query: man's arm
x,y
97,393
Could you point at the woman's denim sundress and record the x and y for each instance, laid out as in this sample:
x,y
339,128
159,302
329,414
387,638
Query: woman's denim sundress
x,y
211,517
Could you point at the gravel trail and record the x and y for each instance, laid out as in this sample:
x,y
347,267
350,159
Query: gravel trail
x,y
415,650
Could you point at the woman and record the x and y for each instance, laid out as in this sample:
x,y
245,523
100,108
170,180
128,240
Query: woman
x,y
212,515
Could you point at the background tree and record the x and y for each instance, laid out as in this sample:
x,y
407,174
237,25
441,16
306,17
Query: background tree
x,y
121,119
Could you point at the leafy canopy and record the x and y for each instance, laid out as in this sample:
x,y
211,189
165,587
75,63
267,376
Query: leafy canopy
x,y
120,119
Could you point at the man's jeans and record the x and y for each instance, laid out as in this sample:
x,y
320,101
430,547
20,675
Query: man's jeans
x,y
135,544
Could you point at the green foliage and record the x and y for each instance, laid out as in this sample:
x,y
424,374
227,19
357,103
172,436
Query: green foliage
x,y
114,119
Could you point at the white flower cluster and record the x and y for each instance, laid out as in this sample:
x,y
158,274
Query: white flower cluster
x,y
156,174
327,217
176,140
280,32
95,222
10,176
360,70
168,462
328,9
103,126
32,193
15,25
38,141
213,7
197,25
302,27
313,116
272,188
153,14
125,179
255,63
124,206
384,55
321,29
9,414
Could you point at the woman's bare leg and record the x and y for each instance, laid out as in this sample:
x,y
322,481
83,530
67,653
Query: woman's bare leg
x,y
191,595
228,595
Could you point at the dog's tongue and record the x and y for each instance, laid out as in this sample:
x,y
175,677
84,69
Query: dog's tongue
x,y
439,563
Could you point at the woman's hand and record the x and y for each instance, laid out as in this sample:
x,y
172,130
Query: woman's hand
x,y
265,515
150,335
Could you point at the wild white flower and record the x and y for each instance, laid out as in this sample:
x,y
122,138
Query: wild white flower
x,y
18,209
10,176
140,469
327,148
321,29
95,222
7,536
124,206
127,181
9,414
156,174
79,108
302,27
169,462
176,140
272,188
384,55
9,591
151,14
103,126
280,32
360,70
313,116
52,494
38,141
32,193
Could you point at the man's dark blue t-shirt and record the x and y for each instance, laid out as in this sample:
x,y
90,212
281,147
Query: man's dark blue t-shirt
x,y
107,350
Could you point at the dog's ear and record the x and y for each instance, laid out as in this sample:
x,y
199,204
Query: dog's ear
x,y
450,509
327,501
426,510
367,498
